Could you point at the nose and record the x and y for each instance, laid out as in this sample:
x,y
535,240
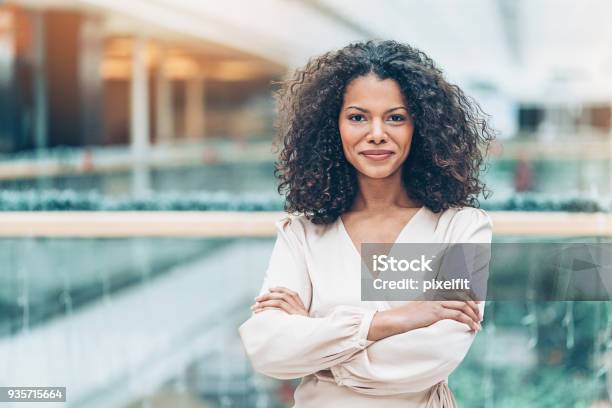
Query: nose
x,y
377,133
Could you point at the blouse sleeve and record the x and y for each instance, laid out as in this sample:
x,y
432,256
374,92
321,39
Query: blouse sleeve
x,y
418,359
286,346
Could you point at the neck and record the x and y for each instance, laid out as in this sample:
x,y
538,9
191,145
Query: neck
x,y
382,194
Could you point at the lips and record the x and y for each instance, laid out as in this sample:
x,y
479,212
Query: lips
x,y
377,155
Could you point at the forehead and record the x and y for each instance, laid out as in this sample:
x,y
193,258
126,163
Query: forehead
x,y
370,91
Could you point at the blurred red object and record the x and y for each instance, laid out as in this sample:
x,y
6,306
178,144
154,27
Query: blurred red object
x,y
285,392
523,174
88,161
210,156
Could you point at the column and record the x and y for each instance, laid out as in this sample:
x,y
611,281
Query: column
x,y
164,118
139,118
194,107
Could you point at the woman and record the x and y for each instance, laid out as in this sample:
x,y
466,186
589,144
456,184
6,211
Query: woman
x,y
376,147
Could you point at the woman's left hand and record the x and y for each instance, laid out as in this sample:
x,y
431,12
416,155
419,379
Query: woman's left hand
x,y
282,299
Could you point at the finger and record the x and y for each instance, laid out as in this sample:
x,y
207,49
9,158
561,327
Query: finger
x,y
474,305
292,294
278,296
464,318
474,315
273,295
281,304
464,307
458,315
291,308
473,309
266,308
292,312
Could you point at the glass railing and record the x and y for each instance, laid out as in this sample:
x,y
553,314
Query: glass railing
x,y
144,321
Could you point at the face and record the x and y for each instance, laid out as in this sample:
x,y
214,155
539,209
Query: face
x,y
375,126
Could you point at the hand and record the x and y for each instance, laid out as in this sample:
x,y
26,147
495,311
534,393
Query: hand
x,y
426,313
420,314
282,299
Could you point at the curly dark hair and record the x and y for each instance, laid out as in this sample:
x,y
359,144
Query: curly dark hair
x,y
449,141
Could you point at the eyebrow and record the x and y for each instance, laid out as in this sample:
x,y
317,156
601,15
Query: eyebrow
x,y
367,111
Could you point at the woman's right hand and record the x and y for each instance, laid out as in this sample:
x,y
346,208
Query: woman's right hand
x,y
417,314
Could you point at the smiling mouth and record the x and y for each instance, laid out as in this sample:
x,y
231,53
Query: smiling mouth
x,y
377,155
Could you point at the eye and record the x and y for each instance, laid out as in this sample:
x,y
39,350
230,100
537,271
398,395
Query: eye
x,y
356,118
396,118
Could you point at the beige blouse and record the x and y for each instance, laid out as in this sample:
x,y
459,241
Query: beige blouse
x,y
329,348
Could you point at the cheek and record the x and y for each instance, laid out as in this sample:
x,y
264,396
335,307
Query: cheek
x,y
406,138
349,137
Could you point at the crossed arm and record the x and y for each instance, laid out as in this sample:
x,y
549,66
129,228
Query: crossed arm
x,y
405,349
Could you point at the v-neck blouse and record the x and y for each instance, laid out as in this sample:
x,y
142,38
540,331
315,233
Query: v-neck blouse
x,y
329,348
409,223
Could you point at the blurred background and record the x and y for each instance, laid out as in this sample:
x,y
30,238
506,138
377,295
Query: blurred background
x,y
167,106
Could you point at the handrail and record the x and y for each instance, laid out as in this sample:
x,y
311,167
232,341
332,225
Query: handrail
x,y
102,160
258,224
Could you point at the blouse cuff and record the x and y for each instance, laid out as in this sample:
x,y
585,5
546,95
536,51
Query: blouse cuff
x,y
339,374
362,342
364,329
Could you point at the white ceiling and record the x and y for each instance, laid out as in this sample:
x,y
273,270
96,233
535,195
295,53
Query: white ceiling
x,y
553,50
532,49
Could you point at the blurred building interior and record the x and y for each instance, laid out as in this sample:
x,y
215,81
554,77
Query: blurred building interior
x,y
78,78
132,98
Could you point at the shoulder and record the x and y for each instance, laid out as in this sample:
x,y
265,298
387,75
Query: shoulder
x,y
290,224
299,227
466,224
464,216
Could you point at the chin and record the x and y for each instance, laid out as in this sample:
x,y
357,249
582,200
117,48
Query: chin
x,y
377,173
